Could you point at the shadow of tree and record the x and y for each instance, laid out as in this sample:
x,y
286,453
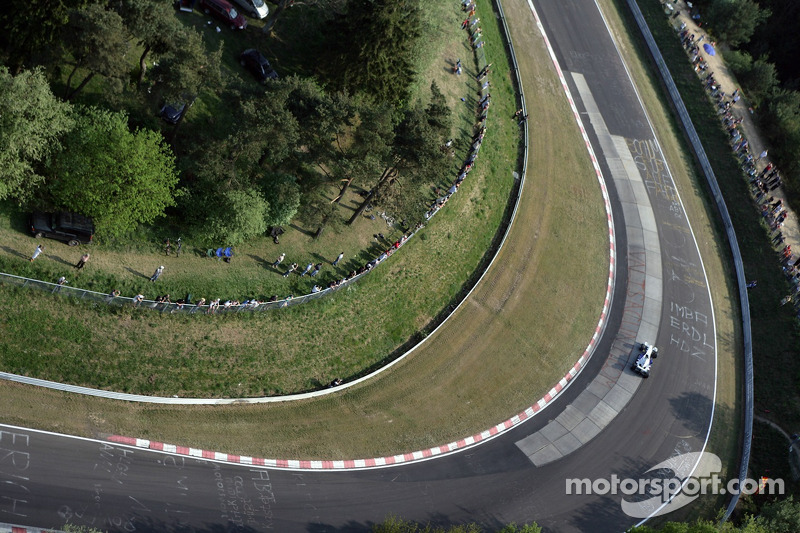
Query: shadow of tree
x,y
260,260
301,230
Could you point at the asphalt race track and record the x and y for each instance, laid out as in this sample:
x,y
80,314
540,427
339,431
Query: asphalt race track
x,y
48,480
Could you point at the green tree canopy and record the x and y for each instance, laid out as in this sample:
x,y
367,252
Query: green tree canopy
x,y
28,27
379,49
235,215
782,516
188,70
414,161
760,81
283,195
32,121
154,24
97,41
734,21
119,177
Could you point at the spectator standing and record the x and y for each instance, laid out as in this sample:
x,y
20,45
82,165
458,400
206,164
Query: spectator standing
x,y
291,269
82,261
157,273
39,249
308,269
279,261
339,258
111,295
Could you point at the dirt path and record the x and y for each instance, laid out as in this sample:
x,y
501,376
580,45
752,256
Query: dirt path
x,y
724,77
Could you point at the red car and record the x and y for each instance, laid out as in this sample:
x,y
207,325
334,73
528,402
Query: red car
x,y
225,12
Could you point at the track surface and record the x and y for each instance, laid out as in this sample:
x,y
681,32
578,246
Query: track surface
x,y
48,479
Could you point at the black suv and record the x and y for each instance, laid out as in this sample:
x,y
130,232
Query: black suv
x,y
258,65
71,228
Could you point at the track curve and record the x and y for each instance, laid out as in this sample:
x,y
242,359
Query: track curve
x,y
51,480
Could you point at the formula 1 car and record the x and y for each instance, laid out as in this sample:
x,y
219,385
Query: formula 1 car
x,y
644,360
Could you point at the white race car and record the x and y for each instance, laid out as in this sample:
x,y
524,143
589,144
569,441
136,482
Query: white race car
x,y
644,360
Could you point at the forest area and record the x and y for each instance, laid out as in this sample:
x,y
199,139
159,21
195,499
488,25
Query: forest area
x,y
763,46
82,80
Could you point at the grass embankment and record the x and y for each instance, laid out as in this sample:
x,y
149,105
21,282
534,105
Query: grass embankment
x,y
513,339
278,352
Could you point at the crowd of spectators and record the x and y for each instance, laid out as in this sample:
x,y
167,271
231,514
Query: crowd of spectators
x,y
763,176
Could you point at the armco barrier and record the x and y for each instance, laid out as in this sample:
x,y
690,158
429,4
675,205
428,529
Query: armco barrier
x,y
686,121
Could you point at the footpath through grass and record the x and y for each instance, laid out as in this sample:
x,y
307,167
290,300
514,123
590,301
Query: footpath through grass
x,y
513,339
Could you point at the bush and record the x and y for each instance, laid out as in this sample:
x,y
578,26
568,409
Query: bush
x,y
237,216
740,62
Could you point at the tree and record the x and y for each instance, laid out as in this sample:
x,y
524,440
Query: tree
x,y
235,215
392,524
118,177
267,129
760,81
417,155
781,120
32,120
97,40
154,24
283,195
28,27
281,5
782,516
740,62
439,113
276,13
380,53
778,37
188,70
734,21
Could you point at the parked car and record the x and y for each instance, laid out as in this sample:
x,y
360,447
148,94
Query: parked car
x,y
256,8
225,12
70,228
171,113
258,65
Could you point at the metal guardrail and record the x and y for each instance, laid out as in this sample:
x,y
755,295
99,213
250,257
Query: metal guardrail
x,y
708,171
189,308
